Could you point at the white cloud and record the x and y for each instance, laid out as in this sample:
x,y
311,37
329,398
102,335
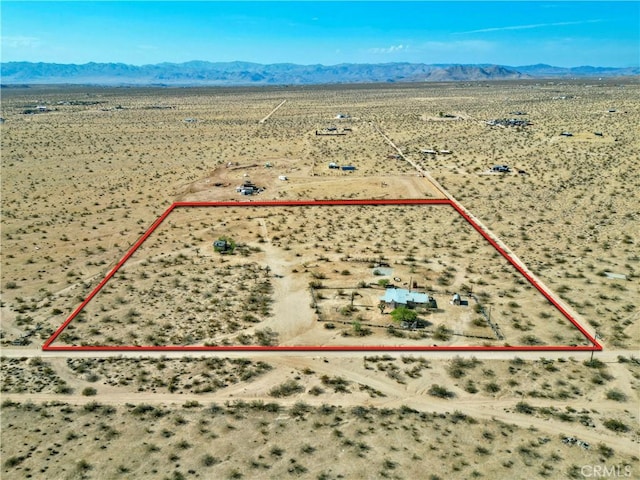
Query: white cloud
x,y
391,49
525,27
20,42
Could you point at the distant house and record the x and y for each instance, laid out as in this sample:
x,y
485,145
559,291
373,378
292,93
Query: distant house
x,y
221,246
400,297
500,169
333,165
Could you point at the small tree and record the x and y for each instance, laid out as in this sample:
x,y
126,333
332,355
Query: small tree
x,y
403,314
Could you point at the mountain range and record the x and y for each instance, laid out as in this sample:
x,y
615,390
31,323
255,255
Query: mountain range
x,y
245,73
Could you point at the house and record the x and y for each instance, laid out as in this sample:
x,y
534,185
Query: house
x,y
400,297
501,168
455,300
333,165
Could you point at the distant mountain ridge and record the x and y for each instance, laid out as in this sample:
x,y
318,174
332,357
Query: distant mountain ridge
x,y
245,73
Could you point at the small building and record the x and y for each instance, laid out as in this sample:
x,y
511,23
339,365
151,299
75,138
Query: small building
x,y
400,297
598,134
349,168
429,152
445,152
221,246
342,116
456,300
333,165
283,178
566,134
501,168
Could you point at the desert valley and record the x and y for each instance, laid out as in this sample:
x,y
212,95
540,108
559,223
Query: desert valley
x,y
219,276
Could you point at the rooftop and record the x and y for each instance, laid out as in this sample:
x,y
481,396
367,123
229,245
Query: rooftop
x,y
402,296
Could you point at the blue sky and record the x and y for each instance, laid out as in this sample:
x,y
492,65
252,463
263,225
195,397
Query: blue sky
x,y
143,32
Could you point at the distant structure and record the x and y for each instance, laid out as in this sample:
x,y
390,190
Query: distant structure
x,y
508,122
330,131
456,300
400,297
248,188
221,246
500,169
566,134
342,116
334,166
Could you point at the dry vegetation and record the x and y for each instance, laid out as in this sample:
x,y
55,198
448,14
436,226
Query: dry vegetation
x,y
81,183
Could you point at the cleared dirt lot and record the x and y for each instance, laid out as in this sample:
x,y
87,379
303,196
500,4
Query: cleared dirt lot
x,y
81,183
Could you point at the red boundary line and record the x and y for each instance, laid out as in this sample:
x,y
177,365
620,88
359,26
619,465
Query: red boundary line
x,y
294,348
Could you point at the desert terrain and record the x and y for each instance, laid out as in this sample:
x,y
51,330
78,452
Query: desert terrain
x,y
85,177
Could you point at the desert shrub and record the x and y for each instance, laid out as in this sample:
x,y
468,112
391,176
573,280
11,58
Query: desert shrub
x,y
441,392
616,425
12,462
523,407
89,391
594,363
209,460
492,387
616,395
442,333
288,388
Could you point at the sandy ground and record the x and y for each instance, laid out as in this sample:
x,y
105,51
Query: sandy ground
x,y
82,183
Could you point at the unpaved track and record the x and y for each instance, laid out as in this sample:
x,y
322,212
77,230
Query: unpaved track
x,y
272,112
493,236
396,396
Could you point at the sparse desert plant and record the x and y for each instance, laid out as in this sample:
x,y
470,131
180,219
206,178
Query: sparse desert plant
x,y
286,389
616,425
440,392
89,391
